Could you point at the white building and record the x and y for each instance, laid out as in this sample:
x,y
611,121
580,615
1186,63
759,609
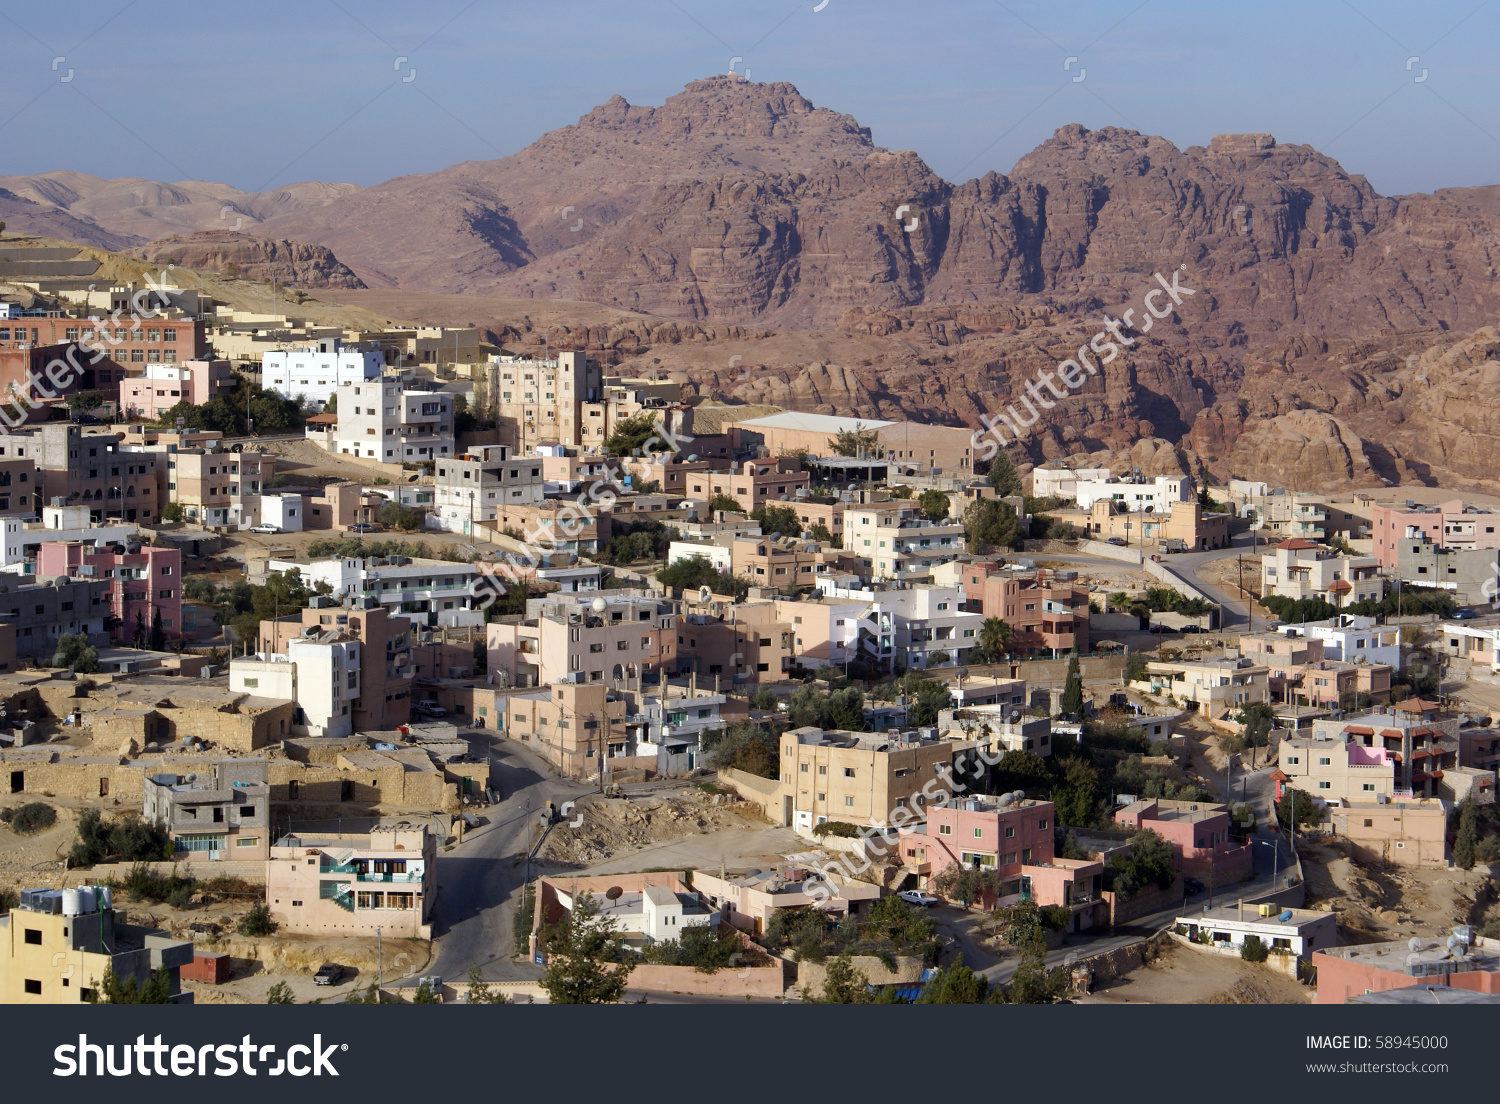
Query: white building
x,y
317,371
670,722
908,625
1298,569
324,680
381,420
1137,492
717,554
1063,482
283,511
23,539
1349,638
655,911
423,590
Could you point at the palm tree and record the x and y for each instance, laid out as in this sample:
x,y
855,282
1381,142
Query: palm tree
x,y
994,637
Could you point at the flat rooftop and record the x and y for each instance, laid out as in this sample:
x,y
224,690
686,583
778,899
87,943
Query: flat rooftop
x,y
1398,955
1232,914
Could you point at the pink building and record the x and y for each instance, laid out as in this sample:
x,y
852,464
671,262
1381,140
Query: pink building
x,y
1198,832
1015,841
165,385
1446,525
141,584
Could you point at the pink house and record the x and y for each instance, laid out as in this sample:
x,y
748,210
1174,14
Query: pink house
x,y
165,385
1198,832
1015,841
1446,525
141,584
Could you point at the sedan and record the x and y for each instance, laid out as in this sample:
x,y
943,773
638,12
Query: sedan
x,y
1192,885
364,527
917,897
265,529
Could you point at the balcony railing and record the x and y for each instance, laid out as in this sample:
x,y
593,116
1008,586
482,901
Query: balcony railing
x,y
389,877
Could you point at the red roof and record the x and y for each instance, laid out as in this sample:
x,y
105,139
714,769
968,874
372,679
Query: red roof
x,y
1339,586
1277,776
1296,543
330,419
1416,705
1359,730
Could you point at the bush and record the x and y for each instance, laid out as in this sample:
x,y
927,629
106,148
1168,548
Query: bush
x,y
1253,950
33,817
837,828
129,839
257,921
144,884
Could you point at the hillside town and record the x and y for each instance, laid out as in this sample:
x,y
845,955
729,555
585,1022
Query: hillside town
x,y
371,666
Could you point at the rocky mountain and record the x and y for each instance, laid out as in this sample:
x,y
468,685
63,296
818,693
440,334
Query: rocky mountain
x,y
765,250
294,264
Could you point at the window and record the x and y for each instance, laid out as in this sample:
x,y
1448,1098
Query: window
x,y
34,987
848,772
1325,785
33,936
1010,831
848,802
978,833
945,830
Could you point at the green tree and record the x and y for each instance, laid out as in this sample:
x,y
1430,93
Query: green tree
x,y
257,922
393,515
843,983
425,994
280,993
80,402
158,631
994,638
724,502
586,959
819,532
743,746
934,505
1003,476
967,884
777,519
1258,719
1148,862
1468,835
1033,983
1072,695
76,653
1075,795
956,984
764,698
130,990
632,435
1298,803
480,991
172,511
856,442
1135,667
989,524
697,571
1253,950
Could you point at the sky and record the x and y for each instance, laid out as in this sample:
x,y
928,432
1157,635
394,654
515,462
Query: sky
x,y
262,95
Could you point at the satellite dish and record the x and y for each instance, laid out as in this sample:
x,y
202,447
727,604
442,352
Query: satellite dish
x,y
614,893
704,594
599,605
1413,944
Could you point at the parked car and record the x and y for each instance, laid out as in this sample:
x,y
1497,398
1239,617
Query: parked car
x,y
430,709
328,974
1118,542
1465,614
1192,629
1161,629
265,529
364,527
917,897
1192,885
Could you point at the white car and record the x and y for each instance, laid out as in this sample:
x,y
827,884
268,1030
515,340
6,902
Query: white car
x,y
265,529
917,897
430,709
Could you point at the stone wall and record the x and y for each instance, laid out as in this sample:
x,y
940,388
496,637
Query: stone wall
x,y
908,971
764,792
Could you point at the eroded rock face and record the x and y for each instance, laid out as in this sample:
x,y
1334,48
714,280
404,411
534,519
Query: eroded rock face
x,y
293,263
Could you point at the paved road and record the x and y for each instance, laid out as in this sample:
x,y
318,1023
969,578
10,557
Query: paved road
x,y
479,881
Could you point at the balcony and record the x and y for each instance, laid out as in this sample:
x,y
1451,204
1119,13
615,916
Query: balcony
x,y
399,878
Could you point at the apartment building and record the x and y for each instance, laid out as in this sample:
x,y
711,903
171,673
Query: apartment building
x,y
1399,832
894,540
221,813
667,722
741,641
1470,576
41,612
386,670
1299,673
93,470
1299,569
428,592
1450,524
217,486
1045,614
141,585
752,483
572,724
381,420
1199,834
860,778
554,399
825,631
1185,526
672,472
1213,685
126,341
319,371
319,672
1135,493
1049,482
23,539
477,486
20,489
352,884
57,945
611,636
163,386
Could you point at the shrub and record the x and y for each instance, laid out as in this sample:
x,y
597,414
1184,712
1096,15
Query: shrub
x,y
280,993
257,921
838,828
144,884
1253,950
33,817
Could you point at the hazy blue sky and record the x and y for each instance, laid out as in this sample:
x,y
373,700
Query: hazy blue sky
x,y
270,93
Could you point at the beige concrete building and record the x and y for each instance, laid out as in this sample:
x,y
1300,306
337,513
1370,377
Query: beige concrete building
x,y
912,446
858,777
895,541
1213,686
350,884
1299,569
559,399
218,487
572,725
564,638
1403,833
57,945
753,483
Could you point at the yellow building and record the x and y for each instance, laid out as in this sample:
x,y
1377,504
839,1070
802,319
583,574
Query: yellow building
x,y
57,944
859,777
